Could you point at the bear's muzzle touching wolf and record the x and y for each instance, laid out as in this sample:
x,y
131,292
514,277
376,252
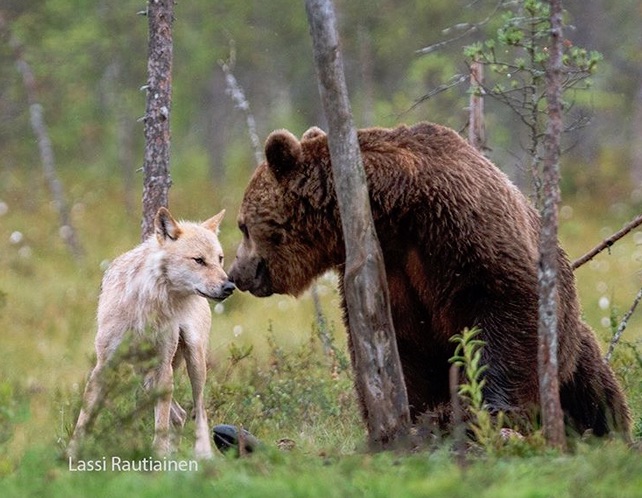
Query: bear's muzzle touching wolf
x,y
460,244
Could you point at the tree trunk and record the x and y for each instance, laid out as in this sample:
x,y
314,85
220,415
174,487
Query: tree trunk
x,y
157,180
476,128
378,373
67,231
236,93
552,416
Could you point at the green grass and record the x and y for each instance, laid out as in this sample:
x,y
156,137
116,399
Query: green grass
x,y
269,370
599,470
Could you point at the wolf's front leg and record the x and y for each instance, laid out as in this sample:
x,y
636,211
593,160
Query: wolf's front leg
x,y
197,371
93,398
163,388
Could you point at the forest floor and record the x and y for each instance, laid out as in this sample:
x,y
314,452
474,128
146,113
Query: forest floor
x,y
272,369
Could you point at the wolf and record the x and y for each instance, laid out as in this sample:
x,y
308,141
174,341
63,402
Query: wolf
x,y
158,292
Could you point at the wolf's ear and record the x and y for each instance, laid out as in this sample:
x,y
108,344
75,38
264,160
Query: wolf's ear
x,y
214,222
166,227
283,152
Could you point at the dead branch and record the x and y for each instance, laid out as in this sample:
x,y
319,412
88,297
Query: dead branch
x,y
607,243
622,326
235,91
67,231
465,28
454,81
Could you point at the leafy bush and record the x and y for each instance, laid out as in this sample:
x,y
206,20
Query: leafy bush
x,y
294,393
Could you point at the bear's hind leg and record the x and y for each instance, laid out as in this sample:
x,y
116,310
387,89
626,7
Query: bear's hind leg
x,y
592,399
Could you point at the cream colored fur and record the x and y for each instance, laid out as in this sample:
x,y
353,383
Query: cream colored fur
x,y
157,292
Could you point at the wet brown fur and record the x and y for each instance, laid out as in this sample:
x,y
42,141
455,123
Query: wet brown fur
x,y
460,244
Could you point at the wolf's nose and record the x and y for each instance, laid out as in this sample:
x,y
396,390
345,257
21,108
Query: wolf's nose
x,y
228,288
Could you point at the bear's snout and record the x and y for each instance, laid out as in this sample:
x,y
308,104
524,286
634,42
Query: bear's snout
x,y
251,275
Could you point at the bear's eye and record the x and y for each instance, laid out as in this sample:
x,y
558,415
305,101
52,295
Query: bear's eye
x,y
244,230
276,238
199,261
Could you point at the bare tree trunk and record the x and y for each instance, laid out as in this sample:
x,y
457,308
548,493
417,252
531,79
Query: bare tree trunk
x,y
157,180
237,95
476,128
378,373
552,416
67,231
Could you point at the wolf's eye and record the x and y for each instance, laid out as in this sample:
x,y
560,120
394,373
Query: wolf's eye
x,y
220,260
199,261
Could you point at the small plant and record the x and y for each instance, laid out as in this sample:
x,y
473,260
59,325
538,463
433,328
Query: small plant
x,y
296,391
490,430
468,357
123,422
517,58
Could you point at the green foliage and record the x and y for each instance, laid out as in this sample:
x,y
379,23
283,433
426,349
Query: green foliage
x,y
46,353
89,60
519,53
127,406
607,469
13,410
517,57
468,357
292,394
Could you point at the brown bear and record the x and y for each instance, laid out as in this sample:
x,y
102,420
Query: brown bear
x,y
460,245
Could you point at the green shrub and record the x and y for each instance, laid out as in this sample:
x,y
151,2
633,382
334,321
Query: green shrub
x,y
295,393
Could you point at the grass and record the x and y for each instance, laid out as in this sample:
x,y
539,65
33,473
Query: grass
x,y
270,370
599,470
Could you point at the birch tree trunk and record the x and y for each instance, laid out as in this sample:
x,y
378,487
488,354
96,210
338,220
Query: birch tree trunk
x,y
157,180
476,127
552,416
378,374
66,231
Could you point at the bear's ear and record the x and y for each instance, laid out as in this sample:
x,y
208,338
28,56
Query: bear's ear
x,y
166,226
312,133
283,152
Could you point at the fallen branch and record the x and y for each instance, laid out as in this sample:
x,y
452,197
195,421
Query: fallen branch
x,y
607,243
622,326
